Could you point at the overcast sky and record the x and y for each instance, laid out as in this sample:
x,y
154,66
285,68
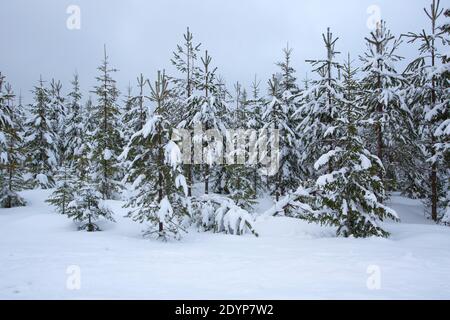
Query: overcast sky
x,y
244,37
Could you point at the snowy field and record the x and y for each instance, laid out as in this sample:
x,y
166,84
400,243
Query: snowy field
x,y
290,260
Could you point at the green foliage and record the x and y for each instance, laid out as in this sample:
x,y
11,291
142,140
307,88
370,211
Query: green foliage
x,y
87,207
11,148
154,171
64,192
349,196
107,139
40,141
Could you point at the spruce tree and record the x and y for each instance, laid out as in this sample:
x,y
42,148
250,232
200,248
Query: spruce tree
x,y
72,131
41,141
11,148
205,110
77,194
136,111
74,127
106,134
350,195
57,118
320,108
156,176
135,116
238,180
129,105
90,122
185,60
290,170
87,207
430,76
255,105
385,103
64,189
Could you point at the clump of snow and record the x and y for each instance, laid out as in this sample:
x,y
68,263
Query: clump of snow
x,y
165,209
107,154
221,214
324,159
42,179
173,154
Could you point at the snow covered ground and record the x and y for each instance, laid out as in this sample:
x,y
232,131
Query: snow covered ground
x,y
290,260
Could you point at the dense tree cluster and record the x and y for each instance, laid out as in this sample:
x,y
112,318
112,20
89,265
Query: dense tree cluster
x,y
356,131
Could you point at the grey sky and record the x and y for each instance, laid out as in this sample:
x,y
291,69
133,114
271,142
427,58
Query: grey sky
x,y
244,37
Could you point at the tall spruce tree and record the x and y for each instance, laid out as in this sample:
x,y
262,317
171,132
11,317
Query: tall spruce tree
x,y
41,140
135,116
57,117
11,148
238,181
136,110
76,194
74,126
255,105
106,134
319,109
350,195
156,177
74,131
430,76
206,107
290,145
386,105
86,205
185,60
129,105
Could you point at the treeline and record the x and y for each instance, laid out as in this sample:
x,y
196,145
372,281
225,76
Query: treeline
x,y
346,138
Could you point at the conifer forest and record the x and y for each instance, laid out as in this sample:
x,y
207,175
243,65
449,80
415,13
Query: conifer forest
x,y
201,187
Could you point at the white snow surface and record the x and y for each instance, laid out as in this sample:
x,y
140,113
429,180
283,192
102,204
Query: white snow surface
x,y
290,260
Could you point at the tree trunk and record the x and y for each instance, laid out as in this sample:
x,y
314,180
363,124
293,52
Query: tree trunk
x,y
433,178
105,192
206,179
434,192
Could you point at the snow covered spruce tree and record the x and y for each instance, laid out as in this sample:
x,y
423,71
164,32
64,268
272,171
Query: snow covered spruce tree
x,y
279,115
347,196
185,60
237,181
107,141
41,141
255,106
136,111
134,117
226,212
429,74
156,175
76,194
64,188
89,110
11,148
129,105
71,146
86,205
350,194
386,105
74,124
319,109
205,110
57,115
